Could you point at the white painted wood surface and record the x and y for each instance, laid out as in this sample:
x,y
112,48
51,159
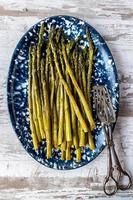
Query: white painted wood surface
x,y
21,177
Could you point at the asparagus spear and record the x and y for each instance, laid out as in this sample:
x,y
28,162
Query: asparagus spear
x,y
47,63
37,94
40,69
64,144
67,119
70,46
42,95
82,84
66,105
52,79
63,155
89,75
48,120
39,46
78,155
61,115
68,153
55,128
58,35
79,91
32,125
82,138
78,75
47,106
91,54
91,141
74,129
34,131
69,93
35,118
58,99
83,74
76,136
75,60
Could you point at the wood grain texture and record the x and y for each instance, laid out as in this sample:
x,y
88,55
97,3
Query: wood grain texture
x,y
22,178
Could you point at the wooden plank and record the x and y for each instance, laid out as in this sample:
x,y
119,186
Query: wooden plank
x,y
73,194
89,8
20,176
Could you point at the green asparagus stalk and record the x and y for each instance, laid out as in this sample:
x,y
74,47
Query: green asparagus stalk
x,y
40,69
91,141
37,94
89,75
42,95
68,153
75,60
38,59
47,63
91,54
35,118
78,155
58,35
82,84
75,140
74,129
70,46
82,140
78,74
48,120
39,46
64,144
61,115
69,144
63,155
58,99
83,74
73,116
66,106
30,103
52,80
55,128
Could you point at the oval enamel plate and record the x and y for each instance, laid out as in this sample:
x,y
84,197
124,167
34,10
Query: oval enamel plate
x,y
104,73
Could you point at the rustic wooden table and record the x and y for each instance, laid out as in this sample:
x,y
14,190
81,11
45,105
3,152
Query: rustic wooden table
x,y
21,177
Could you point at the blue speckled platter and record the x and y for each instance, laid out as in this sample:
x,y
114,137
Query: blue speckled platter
x,y
104,73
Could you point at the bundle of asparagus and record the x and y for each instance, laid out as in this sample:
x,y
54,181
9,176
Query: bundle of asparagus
x,y
59,93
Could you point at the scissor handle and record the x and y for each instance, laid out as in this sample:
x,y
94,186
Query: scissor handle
x,y
105,187
124,186
110,177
